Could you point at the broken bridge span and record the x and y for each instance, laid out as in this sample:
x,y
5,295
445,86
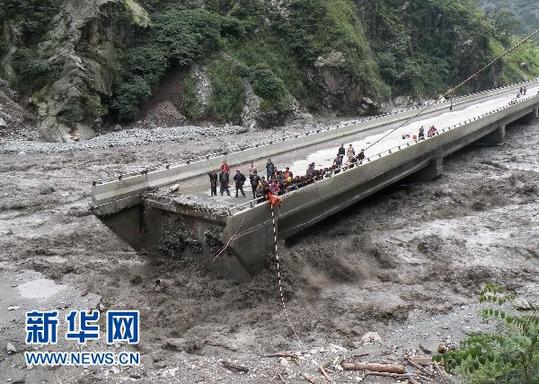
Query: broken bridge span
x,y
145,212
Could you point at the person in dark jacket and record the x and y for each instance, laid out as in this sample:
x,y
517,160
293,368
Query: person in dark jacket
x,y
337,163
239,179
270,169
255,180
310,171
360,156
213,182
421,134
341,151
224,179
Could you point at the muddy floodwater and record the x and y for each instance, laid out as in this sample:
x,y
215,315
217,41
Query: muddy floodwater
x,y
406,264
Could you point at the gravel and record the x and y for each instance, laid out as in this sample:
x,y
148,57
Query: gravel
x,y
136,137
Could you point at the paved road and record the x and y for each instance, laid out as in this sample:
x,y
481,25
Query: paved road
x,y
323,154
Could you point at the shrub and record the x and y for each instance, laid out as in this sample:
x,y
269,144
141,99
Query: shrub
x,y
128,96
34,16
185,34
510,355
228,96
32,71
269,87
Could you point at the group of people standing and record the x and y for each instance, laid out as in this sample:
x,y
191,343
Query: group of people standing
x,y
278,181
421,134
522,92
350,154
222,176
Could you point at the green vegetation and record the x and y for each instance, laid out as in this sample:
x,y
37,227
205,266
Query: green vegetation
x,y
178,36
423,47
387,47
509,355
271,89
228,96
522,14
33,71
327,55
139,16
191,106
33,17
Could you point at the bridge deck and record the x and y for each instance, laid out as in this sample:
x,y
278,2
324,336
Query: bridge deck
x,y
323,154
185,222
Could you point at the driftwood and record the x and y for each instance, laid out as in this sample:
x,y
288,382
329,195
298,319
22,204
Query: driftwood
x,y
308,378
387,374
324,373
443,374
362,355
292,355
375,367
234,367
420,368
421,360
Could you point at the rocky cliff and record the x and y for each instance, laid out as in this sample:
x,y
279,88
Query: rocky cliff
x,y
87,65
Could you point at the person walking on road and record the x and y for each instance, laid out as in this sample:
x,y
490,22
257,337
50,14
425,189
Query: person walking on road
x,y
224,179
213,182
239,179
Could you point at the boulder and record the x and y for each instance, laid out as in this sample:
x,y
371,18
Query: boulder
x,y
11,349
341,91
46,190
368,106
522,304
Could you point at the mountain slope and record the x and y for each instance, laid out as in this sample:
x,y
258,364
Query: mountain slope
x,y
89,63
524,12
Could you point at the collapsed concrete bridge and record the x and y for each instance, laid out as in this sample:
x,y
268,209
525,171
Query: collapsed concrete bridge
x,y
183,222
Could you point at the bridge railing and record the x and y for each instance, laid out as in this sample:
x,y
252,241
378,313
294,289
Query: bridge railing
x,y
379,155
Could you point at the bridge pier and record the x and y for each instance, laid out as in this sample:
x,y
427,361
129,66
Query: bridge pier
x,y
494,138
535,113
432,171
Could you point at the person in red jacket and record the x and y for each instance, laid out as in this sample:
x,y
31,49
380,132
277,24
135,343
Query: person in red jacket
x,y
225,167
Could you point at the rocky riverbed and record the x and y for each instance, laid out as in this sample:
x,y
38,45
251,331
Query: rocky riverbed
x,y
405,265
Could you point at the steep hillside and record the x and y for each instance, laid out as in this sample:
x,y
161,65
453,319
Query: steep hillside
x,y
523,13
93,63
